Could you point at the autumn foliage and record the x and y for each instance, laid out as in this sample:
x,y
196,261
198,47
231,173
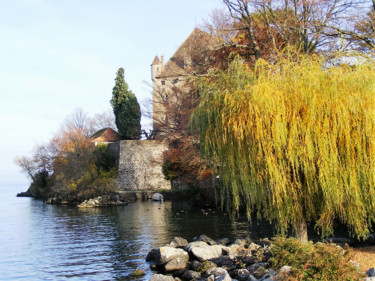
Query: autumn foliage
x,y
70,165
293,141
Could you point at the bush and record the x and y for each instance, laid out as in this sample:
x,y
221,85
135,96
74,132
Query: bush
x,y
104,158
320,261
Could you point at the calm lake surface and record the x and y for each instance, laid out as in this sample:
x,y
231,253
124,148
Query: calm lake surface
x,y
49,242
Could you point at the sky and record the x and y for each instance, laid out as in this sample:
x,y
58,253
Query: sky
x,y
60,55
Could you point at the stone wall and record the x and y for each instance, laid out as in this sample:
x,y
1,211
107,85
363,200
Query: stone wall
x,y
140,165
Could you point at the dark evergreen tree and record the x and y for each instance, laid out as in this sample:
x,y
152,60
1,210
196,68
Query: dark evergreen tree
x,y
126,109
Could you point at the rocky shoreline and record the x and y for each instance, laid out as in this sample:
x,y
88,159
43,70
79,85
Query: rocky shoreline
x,y
117,198
220,260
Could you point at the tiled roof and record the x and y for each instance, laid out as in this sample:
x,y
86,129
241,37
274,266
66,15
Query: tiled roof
x,y
190,56
105,135
156,60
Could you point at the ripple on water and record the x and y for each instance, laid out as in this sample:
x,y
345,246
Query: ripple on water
x,y
46,242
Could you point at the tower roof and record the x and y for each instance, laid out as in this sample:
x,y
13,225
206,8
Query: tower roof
x,y
156,61
191,55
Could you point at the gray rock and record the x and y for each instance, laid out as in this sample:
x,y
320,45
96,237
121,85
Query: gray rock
x,y
248,260
255,267
223,241
286,269
224,277
161,277
194,265
195,244
166,254
271,275
203,252
241,271
152,255
190,274
175,264
178,242
217,271
208,252
208,240
371,272
242,274
223,261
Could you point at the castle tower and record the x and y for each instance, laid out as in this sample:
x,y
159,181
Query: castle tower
x,y
157,67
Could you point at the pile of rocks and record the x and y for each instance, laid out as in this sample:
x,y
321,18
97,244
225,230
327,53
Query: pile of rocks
x,y
115,199
206,259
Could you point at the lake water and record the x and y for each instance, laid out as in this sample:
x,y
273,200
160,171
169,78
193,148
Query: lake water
x,y
49,242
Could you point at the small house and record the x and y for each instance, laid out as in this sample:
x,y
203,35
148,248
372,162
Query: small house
x,y
105,136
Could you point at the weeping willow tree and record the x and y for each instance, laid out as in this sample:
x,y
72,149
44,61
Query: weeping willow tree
x,y
293,142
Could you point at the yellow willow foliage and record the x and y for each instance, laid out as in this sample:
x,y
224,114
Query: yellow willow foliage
x,y
293,140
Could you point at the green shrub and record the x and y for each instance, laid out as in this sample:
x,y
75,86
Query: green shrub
x,y
320,261
104,158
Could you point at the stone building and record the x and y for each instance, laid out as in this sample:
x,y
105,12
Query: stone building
x,y
193,57
140,161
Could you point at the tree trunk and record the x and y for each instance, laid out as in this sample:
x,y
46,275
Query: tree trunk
x,y
301,230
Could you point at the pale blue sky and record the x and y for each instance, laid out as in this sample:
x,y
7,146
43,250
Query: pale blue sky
x,y
58,55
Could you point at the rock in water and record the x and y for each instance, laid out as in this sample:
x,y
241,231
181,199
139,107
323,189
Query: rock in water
x,y
161,277
137,273
166,254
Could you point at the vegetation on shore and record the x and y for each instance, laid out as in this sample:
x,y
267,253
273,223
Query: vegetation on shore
x,y
70,165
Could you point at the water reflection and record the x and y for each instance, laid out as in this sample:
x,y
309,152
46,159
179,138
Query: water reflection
x,y
46,242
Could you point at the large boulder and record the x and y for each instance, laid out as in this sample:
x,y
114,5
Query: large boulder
x,y
166,254
202,251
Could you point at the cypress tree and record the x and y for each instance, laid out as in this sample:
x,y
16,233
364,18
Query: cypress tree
x,y
126,109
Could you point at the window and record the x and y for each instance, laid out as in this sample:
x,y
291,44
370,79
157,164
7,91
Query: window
x,y
175,81
163,82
